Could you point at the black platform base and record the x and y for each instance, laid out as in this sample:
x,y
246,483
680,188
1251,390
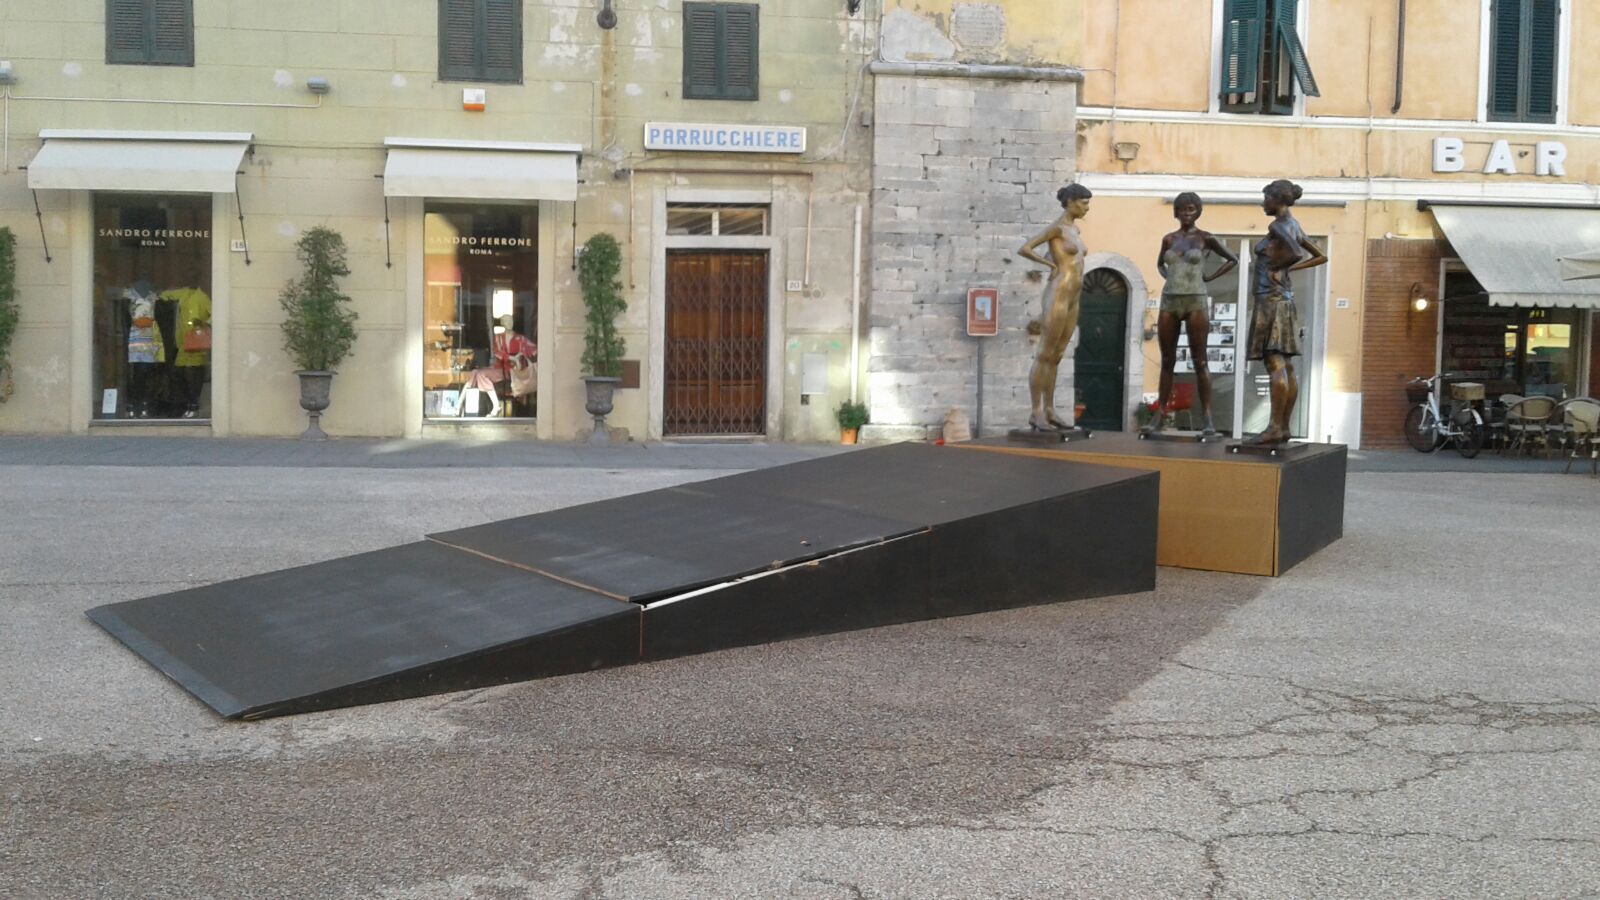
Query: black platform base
x,y
872,537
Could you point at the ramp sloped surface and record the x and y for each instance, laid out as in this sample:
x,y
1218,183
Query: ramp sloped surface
x,y
391,623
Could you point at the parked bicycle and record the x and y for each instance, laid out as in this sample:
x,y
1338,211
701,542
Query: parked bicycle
x,y
1431,424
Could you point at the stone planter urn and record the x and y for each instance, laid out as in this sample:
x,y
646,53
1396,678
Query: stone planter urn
x,y
314,390
597,403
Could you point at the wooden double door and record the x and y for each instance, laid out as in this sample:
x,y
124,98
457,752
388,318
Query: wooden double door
x,y
716,348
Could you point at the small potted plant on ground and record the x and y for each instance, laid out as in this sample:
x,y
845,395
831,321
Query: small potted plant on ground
x,y
598,268
851,416
8,307
319,326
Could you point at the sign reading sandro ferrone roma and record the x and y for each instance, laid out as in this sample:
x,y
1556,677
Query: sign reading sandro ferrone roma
x,y
724,138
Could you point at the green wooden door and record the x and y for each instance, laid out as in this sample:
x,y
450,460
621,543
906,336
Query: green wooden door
x,y
1100,365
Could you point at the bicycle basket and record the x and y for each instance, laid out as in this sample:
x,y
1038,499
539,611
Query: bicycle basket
x,y
1417,393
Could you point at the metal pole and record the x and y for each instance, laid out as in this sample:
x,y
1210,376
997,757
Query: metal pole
x,y
977,429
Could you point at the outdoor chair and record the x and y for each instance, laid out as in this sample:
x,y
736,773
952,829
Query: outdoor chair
x,y
1496,420
1582,419
1528,420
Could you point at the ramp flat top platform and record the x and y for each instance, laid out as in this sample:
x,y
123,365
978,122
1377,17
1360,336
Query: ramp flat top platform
x,y
247,645
675,540
1125,444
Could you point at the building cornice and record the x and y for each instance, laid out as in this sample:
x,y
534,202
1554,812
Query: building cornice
x,y
977,71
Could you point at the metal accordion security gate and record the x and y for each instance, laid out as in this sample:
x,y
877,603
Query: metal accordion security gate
x,y
716,348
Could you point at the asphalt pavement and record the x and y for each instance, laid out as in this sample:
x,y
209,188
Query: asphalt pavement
x,y
1413,712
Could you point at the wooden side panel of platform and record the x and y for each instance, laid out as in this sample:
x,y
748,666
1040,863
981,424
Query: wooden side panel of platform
x,y
1223,512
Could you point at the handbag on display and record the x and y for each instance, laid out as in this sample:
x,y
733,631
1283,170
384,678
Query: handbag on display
x,y
197,339
524,379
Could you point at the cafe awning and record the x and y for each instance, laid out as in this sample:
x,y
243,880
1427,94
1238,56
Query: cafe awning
x,y
480,170
148,161
1581,266
1514,251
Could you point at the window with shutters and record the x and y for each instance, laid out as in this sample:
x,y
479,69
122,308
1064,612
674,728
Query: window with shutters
x,y
721,51
480,40
1523,51
1262,57
150,32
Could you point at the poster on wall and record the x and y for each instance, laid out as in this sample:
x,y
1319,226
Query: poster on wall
x,y
1220,342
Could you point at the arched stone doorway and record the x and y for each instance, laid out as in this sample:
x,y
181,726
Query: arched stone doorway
x,y
1100,365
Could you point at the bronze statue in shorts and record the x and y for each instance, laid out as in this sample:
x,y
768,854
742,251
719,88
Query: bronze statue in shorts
x,y
1186,304
1062,293
1274,321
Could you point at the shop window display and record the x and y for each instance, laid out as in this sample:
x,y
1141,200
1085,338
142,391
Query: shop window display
x,y
152,307
481,312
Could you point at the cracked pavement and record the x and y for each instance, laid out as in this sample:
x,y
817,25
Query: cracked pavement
x,y
1413,712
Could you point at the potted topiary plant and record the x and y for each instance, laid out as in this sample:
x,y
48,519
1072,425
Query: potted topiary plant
x,y
851,417
319,326
9,313
598,269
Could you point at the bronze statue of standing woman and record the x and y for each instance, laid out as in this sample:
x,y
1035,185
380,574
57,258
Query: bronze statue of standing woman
x,y
1274,321
1062,294
1186,303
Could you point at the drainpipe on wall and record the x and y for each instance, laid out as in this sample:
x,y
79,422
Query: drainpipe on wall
x,y
1400,59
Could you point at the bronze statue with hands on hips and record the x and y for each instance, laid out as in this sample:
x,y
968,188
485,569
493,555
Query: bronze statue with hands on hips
x,y
1062,294
1185,302
1274,321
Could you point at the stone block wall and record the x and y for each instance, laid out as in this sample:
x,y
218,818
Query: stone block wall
x,y
966,164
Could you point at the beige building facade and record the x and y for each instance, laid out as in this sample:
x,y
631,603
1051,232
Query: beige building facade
x,y
465,150
1435,140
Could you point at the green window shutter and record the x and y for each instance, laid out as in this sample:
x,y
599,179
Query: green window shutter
x,y
458,39
1242,22
700,50
741,52
1284,16
172,32
502,45
1543,25
1505,60
127,31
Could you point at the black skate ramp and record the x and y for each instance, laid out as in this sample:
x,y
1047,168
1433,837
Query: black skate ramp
x,y
871,537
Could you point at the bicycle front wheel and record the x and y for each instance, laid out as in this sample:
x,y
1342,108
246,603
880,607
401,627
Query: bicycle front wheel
x,y
1470,439
1422,429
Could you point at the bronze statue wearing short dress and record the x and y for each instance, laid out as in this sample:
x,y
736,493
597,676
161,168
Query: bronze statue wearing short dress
x,y
1274,321
1186,303
1062,294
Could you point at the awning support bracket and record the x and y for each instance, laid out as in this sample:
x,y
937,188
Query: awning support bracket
x,y
39,214
238,204
388,257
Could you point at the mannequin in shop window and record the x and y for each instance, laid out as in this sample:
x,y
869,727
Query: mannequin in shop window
x,y
147,354
192,345
510,370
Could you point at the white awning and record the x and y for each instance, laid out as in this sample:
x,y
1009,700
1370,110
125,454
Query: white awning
x,y
480,171
1513,251
1580,266
150,161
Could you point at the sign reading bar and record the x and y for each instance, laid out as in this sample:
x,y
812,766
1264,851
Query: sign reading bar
x,y
1549,157
983,312
724,138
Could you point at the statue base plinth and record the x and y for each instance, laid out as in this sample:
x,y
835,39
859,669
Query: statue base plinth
x,y
1282,449
1034,436
1183,437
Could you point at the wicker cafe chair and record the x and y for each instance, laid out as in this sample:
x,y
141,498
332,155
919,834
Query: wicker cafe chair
x,y
1582,421
1527,420
1497,419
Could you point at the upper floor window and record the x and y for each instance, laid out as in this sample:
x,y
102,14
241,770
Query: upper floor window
x,y
480,40
721,51
1522,60
150,32
1262,57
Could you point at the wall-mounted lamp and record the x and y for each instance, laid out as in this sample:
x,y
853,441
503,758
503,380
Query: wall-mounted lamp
x,y
1418,301
318,85
7,75
852,6
607,19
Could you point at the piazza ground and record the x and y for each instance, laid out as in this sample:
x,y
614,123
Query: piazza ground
x,y
1412,712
